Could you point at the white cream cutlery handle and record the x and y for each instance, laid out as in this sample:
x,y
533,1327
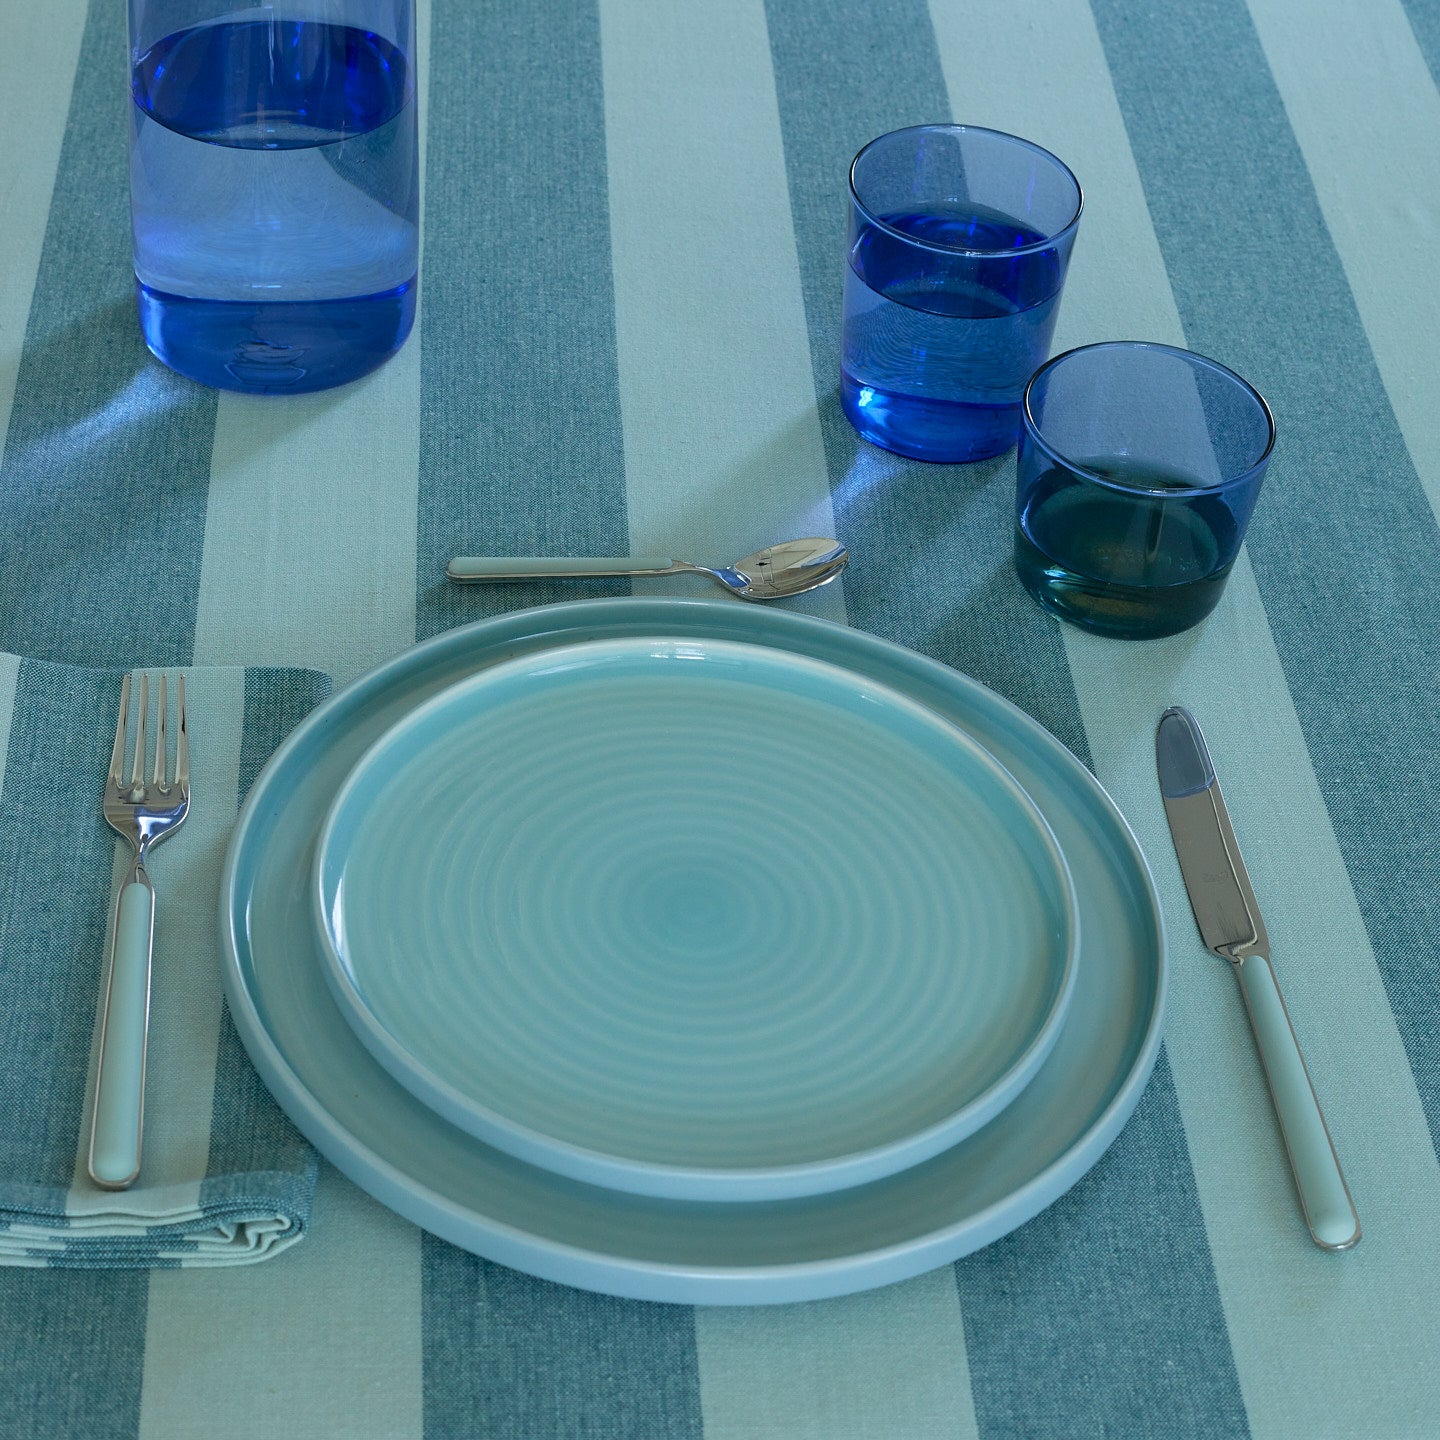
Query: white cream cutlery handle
x,y
120,1071
473,568
1329,1210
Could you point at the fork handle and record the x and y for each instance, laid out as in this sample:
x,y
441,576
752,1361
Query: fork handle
x,y
120,1073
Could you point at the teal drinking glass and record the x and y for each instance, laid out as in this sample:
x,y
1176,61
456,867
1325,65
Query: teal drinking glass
x,y
1137,472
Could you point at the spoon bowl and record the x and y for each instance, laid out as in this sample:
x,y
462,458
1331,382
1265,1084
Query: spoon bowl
x,y
790,568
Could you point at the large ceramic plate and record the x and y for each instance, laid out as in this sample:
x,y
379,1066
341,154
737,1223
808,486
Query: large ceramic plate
x,y
695,918
439,1176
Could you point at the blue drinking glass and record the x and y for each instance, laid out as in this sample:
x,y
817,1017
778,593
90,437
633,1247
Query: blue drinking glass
x,y
958,246
1138,469
274,188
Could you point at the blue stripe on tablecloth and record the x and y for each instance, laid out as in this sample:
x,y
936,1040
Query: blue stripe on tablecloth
x,y
276,701
60,881
1424,16
245,1122
74,1347
107,460
1344,542
521,453
1060,1316
509,1355
841,79
54,907
520,437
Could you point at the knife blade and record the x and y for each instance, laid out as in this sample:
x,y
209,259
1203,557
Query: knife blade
x,y
1229,920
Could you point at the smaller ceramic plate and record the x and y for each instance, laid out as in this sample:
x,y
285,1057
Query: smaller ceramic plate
x,y
695,918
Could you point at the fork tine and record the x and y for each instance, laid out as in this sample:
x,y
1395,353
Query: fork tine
x,y
182,737
160,757
117,751
137,771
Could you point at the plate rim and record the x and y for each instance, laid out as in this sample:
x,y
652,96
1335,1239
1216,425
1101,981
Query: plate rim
x,y
639,1277
698,1182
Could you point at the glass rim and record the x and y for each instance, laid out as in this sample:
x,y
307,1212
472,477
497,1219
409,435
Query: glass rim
x,y
1031,426
1034,246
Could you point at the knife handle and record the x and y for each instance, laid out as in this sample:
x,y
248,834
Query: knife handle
x,y
1324,1195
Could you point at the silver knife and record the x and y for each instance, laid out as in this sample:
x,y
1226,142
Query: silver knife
x,y
1230,924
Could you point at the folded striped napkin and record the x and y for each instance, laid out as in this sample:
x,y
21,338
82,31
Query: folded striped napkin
x,y
225,1177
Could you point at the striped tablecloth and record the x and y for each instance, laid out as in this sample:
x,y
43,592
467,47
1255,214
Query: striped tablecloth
x,y
633,228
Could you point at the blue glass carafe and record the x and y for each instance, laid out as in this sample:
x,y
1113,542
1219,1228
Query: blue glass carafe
x,y
274,188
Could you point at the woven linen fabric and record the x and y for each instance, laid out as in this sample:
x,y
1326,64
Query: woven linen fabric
x,y
225,1179
628,342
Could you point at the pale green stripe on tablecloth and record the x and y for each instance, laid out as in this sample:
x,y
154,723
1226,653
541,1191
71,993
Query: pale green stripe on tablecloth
x,y
37,68
1292,1312
1116,287
885,1362
722,439
326,1344
310,533
1366,115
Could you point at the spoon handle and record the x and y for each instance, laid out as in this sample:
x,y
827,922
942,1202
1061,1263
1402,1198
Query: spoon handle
x,y
470,569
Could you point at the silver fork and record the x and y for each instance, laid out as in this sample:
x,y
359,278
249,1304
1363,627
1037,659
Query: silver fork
x,y
144,813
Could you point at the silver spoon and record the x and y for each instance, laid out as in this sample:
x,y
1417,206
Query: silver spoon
x,y
789,568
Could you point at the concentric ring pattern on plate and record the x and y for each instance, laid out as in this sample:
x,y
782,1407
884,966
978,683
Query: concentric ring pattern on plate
x,y
696,919
473,1195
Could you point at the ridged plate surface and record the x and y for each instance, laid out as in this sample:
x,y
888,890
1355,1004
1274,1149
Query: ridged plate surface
x,y
696,919
476,1196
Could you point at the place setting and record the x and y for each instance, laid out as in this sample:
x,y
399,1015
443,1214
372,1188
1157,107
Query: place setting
x,y
695,951
726,955
713,720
